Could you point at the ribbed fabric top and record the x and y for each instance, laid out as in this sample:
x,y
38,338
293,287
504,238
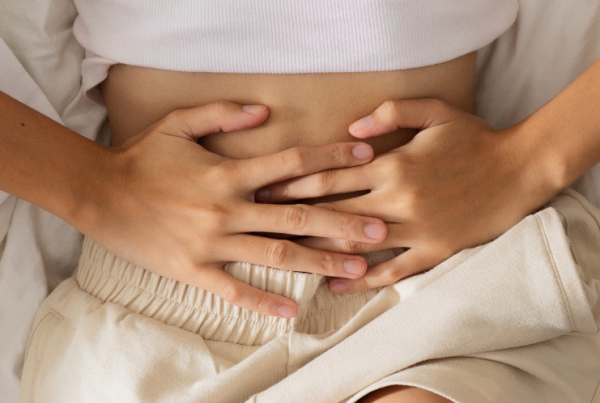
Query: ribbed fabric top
x,y
284,36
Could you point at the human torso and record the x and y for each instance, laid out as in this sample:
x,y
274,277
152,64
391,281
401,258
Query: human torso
x,y
304,108
317,64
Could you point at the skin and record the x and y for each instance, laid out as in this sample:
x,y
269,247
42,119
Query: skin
x,y
547,151
403,394
488,179
309,109
305,110
76,178
146,206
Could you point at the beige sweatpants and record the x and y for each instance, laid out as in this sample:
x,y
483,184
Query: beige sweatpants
x,y
511,321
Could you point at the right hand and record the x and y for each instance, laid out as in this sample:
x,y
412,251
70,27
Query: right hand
x,y
165,203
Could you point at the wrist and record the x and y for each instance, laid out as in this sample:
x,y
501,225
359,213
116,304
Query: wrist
x,y
92,190
539,171
47,164
565,133
554,159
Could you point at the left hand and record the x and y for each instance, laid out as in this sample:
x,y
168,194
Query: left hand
x,y
457,184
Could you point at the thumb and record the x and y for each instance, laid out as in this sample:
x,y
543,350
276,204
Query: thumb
x,y
404,114
222,116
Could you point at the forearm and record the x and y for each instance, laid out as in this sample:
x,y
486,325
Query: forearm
x,y
566,131
45,163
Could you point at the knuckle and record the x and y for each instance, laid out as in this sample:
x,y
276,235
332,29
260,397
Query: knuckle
x,y
327,263
339,155
411,208
227,172
363,284
223,177
437,107
392,275
278,253
352,247
398,164
213,216
220,108
324,180
296,218
174,116
392,168
410,203
390,108
175,120
295,159
217,172
219,113
263,304
231,293
347,226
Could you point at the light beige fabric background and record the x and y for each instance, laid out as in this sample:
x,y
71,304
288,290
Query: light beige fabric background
x,y
164,341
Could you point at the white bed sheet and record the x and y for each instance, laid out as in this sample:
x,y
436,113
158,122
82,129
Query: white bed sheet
x,y
551,43
39,66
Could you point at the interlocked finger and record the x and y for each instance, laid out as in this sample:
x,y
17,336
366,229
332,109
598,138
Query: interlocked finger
x,y
324,183
396,238
411,262
374,204
400,114
286,255
300,161
300,219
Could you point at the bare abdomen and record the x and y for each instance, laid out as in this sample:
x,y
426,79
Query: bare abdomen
x,y
304,108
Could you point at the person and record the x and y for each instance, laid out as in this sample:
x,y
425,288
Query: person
x,y
34,170
121,90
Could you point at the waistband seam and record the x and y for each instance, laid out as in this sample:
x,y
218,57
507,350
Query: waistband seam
x,y
349,298
192,307
201,310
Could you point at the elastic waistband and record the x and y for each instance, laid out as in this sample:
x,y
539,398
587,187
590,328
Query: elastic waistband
x,y
112,279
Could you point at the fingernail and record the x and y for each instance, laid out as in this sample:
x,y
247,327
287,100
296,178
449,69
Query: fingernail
x,y
361,124
254,109
375,231
286,311
362,152
338,287
355,266
262,195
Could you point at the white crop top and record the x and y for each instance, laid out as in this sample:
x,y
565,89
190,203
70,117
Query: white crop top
x,y
283,36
